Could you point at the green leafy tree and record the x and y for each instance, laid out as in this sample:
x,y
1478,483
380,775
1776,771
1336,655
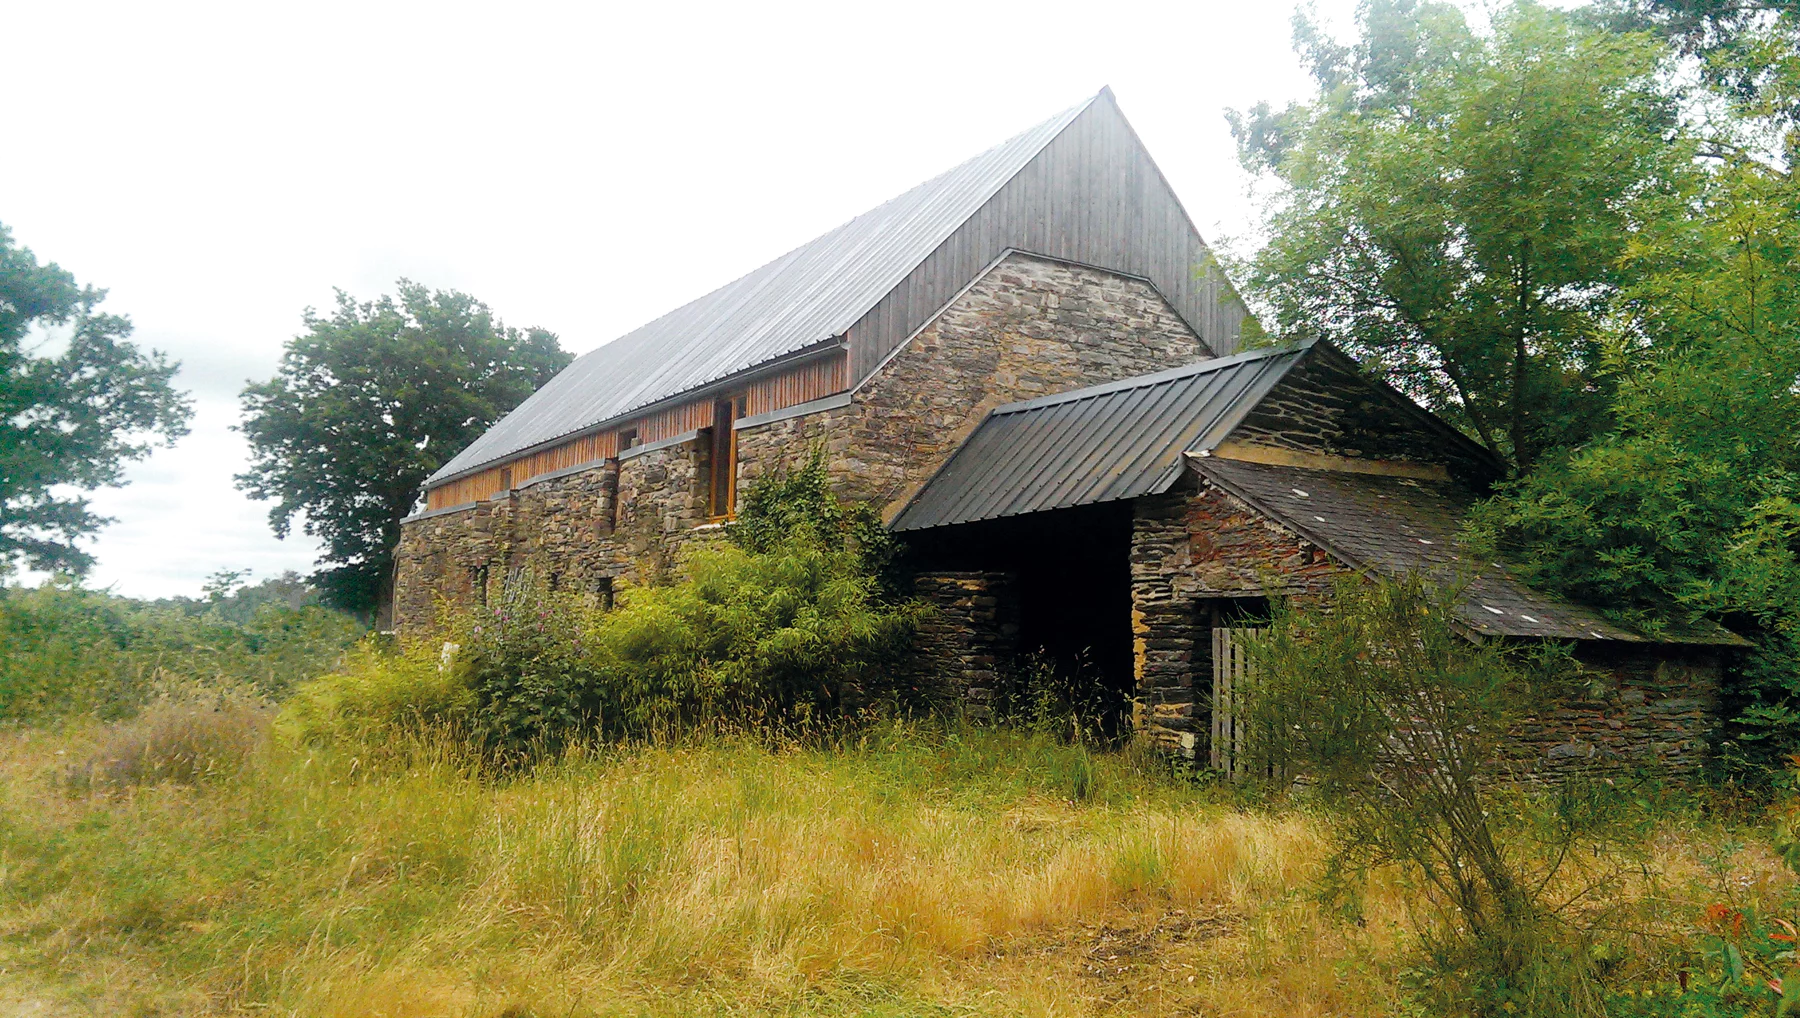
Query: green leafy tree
x,y
78,401
368,403
1689,507
1454,207
1744,53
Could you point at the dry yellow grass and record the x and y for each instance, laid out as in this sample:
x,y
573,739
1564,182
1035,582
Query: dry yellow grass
x,y
908,875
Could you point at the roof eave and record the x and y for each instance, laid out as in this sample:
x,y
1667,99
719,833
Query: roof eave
x,y
749,374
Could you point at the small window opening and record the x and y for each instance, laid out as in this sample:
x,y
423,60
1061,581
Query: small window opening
x,y
628,439
506,478
478,578
722,458
603,593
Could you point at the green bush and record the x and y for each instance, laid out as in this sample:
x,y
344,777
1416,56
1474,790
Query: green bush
x,y
788,637
67,651
1398,722
788,625
380,690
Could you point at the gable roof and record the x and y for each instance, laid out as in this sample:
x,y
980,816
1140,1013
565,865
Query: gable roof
x,y
1138,436
804,299
1396,525
1106,442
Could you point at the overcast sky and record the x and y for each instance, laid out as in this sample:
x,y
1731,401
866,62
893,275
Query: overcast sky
x,y
582,167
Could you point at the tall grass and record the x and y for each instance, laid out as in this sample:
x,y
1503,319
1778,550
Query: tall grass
x,y
907,871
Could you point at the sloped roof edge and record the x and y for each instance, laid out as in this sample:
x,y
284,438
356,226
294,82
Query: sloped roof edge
x,y
1101,443
805,297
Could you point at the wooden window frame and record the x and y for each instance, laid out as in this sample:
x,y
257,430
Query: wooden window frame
x,y
721,461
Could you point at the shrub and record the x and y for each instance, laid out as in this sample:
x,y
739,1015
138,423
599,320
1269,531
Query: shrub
x,y
413,689
1398,721
788,625
788,638
184,740
72,652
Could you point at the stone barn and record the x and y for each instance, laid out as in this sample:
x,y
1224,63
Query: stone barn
x,y
1030,364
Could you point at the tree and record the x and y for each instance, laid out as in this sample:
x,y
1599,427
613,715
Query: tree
x,y
1400,723
78,401
1742,51
1453,208
1689,506
368,403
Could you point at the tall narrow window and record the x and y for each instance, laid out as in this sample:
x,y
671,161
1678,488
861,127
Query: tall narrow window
x,y
722,461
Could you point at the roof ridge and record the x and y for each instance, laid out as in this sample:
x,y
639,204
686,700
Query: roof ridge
x,y
1155,378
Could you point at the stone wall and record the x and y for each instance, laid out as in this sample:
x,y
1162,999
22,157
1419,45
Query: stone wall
x,y
662,507
967,640
1327,405
1644,706
560,528
1186,546
1030,327
765,449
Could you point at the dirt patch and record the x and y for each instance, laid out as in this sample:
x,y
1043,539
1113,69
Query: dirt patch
x,y
1113,949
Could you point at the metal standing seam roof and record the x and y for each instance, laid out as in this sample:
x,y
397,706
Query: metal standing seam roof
x,y
1397,525
806,297
1118,440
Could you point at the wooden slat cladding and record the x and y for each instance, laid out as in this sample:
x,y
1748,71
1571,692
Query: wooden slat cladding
x,y
1093,196
802,383
812,380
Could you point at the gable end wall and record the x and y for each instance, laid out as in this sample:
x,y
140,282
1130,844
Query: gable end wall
x,y
1093,196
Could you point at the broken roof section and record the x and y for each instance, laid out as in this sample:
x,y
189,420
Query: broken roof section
x,y
805,298
1397,525
1099,444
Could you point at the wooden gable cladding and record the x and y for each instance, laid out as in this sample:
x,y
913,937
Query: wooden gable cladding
x,y
1092,196
802,383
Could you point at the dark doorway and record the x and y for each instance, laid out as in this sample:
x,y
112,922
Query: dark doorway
x,y
1072,573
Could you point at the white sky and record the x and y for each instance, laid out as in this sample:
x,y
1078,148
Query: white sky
x,y
584,167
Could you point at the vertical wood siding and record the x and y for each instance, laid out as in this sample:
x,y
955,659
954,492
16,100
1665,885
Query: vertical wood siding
x,y
810,381
1092,195
802,383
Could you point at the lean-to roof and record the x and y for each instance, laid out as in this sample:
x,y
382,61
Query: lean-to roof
x,y
1392,526
1106,442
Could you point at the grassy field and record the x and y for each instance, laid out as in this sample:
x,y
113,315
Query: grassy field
x,y
910,872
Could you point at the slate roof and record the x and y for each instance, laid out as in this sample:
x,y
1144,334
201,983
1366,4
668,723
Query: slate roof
x,y
806,297
1106,442
1397,525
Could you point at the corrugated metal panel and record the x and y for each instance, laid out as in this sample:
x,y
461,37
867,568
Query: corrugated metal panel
x,y
805,297
1118,440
